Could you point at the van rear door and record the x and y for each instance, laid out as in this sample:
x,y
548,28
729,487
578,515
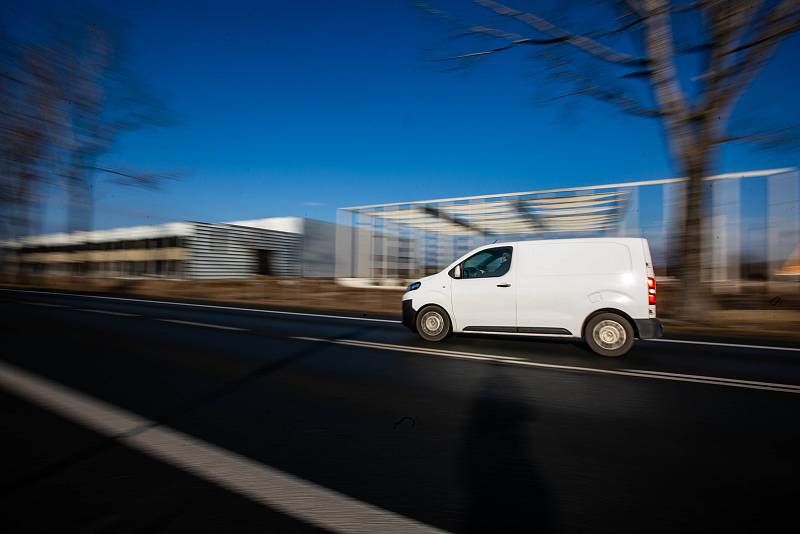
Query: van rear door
x,y
648,260
650,272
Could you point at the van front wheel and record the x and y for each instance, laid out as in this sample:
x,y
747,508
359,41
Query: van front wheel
x,y
609,334
433,324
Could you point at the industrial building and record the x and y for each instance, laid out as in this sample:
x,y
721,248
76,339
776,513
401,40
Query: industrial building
x,y
283,246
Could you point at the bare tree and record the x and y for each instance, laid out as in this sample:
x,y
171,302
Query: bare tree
x,y
64,103
29,101
734,39
103,99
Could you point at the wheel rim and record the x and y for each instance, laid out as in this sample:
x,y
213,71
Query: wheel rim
x,y
432,323
609,335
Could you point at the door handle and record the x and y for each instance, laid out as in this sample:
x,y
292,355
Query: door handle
x,y
503,285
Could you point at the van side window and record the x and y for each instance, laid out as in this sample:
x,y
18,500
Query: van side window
x,y
489,263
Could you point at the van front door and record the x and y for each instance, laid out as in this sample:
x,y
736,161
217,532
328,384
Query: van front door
x,y
484,297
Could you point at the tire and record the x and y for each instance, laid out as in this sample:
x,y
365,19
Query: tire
x,y
609,335
433,323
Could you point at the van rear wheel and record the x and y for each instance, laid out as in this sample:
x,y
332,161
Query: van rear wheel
x,y
609,334
433,323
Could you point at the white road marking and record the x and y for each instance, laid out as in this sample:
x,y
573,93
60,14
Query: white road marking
x,y
206,325
419,350
734,345
717,379
107,312
261,483
729,382
47,304
212,306
349,318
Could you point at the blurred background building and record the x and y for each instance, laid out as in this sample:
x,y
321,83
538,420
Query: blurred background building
x,y
282,246
752,235
752,230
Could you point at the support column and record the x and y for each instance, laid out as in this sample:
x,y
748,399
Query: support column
x,y
363,248
783,225
725,236
629,225
386,249
345,244
674,198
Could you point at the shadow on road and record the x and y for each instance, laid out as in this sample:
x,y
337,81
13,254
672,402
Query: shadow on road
x,y
505,491
193,405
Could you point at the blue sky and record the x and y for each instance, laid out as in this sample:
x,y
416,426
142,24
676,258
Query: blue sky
x,y
297,108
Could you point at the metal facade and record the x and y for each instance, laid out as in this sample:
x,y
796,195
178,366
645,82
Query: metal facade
x,y
217,251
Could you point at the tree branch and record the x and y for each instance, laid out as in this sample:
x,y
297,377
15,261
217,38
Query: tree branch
x,y
512,44
616,30
726,25
664,76
513,38
635,6
582,42
780,22
603,91
782,137
143,179
778,33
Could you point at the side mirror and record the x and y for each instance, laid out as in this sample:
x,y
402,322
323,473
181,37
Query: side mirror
x,y
457,271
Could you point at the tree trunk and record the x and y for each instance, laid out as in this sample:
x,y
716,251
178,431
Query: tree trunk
x,y
695,295
79,191
21,204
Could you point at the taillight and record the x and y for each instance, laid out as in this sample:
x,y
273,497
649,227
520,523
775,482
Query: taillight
x,y
651,290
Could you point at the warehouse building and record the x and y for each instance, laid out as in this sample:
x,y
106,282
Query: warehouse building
x,y
285,246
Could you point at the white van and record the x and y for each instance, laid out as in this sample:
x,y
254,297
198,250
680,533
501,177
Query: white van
x,y
602,290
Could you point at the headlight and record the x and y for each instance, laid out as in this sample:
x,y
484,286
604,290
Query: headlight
x,y
414,285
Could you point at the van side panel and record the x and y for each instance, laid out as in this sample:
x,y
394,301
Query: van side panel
x,y
578,259
560,283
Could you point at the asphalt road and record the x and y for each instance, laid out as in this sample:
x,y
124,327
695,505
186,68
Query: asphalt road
x,y
125,415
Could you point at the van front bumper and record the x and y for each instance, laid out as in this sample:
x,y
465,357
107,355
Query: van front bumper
x,y
649,328
409,315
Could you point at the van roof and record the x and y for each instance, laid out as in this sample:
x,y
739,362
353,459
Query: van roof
x,y
568,240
